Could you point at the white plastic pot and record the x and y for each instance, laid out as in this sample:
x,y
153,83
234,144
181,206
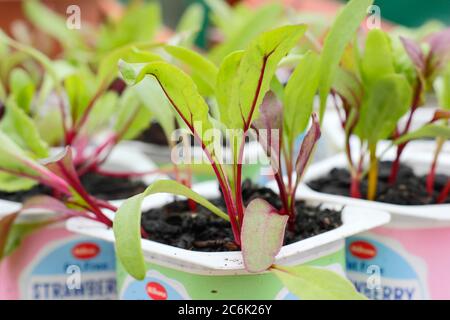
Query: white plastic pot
x,y
51,258
334,136
409,257
175,273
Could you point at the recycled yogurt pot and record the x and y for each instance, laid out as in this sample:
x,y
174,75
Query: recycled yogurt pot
x,y
334,137
405,259
54,263
174,273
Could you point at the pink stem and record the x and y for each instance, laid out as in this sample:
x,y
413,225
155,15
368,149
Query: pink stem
x,y
445,192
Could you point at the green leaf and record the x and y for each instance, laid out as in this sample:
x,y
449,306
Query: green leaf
x,y
256,70
127,226
176,188
19,231
182,93
262,235
13,158
35,54
244,31
22,88
11,183
427,131
299,96
138,24
349,88
224,86
153,98
443,89
387,101
341,33
6,223
132,116
127,223
53,24
79,93
377,60
133,53
21,128
198,64
190,23
312,283
103,111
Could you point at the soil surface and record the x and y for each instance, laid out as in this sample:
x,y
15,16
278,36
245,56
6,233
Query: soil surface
x,y
409,189
105,188
176,225
154,135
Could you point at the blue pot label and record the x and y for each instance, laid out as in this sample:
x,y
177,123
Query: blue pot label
x,y
155,286
73,268
382,269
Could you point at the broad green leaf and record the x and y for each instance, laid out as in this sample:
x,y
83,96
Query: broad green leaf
x,y
153,98
22,88
6,223
52,24
221,13
262,235
377,60
127,223
79,92
256,70
191,23
224,85
132,53
427,131
176,188
14,159
33,53
132,116
102,113
21,128
312,283
11,183
387,101
138,24
182,93
443,89
127,232
264,18
341,33
197,64
299,95
349,88
49,124
20,231
2,92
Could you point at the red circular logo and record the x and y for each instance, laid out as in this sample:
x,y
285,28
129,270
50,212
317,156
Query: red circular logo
x,y
156,291
85,250
363,249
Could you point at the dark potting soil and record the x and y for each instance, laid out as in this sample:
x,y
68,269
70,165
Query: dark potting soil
x,y
175,224
409,189
105,188
154,135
